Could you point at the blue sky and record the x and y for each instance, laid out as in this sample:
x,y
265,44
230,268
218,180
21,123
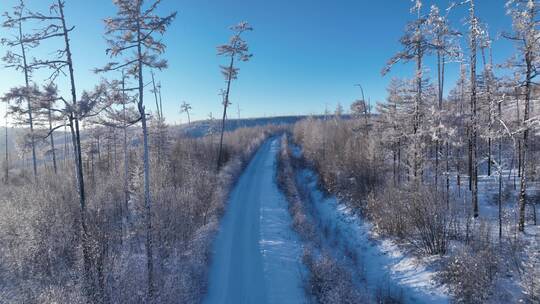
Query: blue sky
x,y
308,54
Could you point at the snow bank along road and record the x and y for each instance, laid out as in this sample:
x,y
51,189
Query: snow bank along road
x,y
256,256
383,264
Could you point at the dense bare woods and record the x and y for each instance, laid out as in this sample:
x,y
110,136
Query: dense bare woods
x,y
46,265
153,189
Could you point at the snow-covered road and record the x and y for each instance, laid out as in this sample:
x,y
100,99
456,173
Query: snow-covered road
x,y
256,256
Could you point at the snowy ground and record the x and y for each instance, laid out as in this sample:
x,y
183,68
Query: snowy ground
x,y
512,282
384,266
256,256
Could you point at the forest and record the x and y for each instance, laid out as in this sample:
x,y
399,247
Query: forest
x,y
428,196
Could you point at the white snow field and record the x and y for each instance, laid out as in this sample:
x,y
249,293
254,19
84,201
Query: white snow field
x,y
256,256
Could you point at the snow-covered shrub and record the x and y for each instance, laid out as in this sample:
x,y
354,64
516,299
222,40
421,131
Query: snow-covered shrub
x,y
387,211
329,282
530,281
348,162
190,198
39,250
417,216
470,274
285,177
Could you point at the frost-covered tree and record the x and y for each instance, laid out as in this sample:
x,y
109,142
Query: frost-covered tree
x,y
186,108
416,46
133,34
18,58
361,107
474,33
53,116
157,120
22,100
156,90
526,34
488,84
54,27
391,116
443,40
236,50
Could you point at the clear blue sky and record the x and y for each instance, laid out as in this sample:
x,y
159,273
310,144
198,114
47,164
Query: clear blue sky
x,y
307,53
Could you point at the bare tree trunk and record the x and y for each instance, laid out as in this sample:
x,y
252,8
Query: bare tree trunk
x,y
65,145
225,104
115,155
126,160
439,107
447,175
76,139
156,95
519,141
146,162
92,168
499,159
399,162
160,103
418,101
524,152
500,190
394,165
487,80
6,173
49,114
28,99
474,118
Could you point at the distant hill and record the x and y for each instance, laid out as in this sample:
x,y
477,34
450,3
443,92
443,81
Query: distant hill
x,y
195,129
203,127
12,134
